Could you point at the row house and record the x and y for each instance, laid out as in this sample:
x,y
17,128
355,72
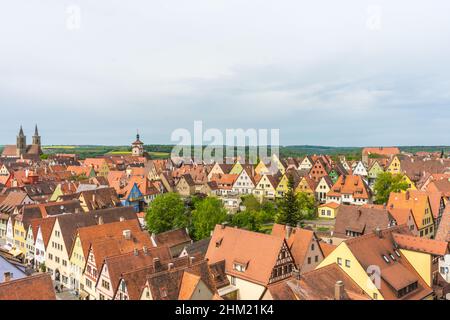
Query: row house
x,y
351,189
249,270
182,279
266,187
98,251
83,240
63,235
245,183
303,244
355,221
422,219
109,285
382,268
326,283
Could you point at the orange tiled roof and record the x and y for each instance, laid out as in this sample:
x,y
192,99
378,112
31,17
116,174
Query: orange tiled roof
x,y
434,247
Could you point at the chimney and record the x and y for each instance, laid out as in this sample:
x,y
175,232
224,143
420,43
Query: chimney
x,y
156,264
288,231
127,234
378,233
100,220
145,249
136,252
339,290
7,276
224,225
170,266
191,260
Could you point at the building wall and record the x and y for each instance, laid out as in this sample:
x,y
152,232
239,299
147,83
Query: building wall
x,y
39,250
104,292
57,256
77,264
248,290
355,271
421,262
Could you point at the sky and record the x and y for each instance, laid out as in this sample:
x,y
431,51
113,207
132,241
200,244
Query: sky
x,y
334,73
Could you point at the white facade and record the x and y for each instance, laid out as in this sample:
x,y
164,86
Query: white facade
x,y
444,267
243,184
360,170
39,249
306,164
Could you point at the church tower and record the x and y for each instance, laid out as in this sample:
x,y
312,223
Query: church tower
x,y
137,148
21,146
36,137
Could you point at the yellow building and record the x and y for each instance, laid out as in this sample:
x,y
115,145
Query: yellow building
x,y
261,169
237,168
20,235
376,263
283,186
394,166
306,185
328,210
411,185
419,204
265,188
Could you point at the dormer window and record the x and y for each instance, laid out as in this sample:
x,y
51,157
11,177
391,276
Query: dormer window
x,y
240,266
386,259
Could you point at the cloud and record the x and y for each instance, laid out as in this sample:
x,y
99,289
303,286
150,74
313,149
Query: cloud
x,y
314,70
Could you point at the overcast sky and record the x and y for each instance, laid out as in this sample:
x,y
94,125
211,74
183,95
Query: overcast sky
x,y
337,73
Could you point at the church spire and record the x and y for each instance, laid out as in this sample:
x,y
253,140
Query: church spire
x,y
36,137
21,134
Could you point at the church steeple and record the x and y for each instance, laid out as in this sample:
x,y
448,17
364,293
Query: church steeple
x,y
137,147
21,145
36,137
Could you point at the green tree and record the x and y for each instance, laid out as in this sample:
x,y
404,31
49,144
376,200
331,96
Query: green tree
x,y
386,183
251,203
166,212
307,205
288,206
207,214
268,212
247,219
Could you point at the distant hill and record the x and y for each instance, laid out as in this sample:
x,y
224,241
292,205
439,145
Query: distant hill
x,y
163,151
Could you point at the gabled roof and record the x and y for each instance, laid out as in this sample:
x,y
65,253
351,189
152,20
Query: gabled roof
x,y
233,244
443,232
360,219
351,184
298,242
70,223
13,200
384,151
129,262
38,287
172,238
414,200
113,246
100,232
180,282
318,284
424,245
372,249
44,210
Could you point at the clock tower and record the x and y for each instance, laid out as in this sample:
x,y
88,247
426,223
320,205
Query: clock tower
x,y
137,148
